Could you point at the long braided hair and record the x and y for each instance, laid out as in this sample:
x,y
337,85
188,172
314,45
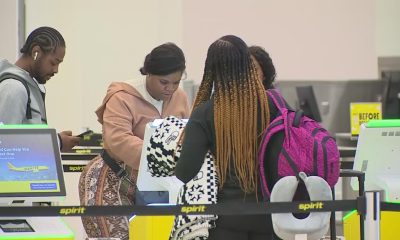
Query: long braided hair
x,y
240,108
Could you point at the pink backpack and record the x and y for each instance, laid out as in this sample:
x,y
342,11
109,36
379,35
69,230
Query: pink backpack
x,y
307,146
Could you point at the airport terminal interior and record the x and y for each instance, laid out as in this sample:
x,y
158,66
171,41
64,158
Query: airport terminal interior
x,y
339,62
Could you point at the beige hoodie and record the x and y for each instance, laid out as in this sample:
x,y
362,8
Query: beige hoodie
x,y
124,114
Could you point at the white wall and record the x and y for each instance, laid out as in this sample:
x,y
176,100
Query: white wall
x,y
9,17
106,41
308,39
388,28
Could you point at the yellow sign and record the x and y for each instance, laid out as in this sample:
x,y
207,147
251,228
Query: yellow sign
x,y
363,112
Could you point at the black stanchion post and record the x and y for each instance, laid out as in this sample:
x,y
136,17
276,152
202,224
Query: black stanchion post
x,y
333,219
361,180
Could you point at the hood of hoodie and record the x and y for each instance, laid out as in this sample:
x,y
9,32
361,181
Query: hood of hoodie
x,y
7,67
112,89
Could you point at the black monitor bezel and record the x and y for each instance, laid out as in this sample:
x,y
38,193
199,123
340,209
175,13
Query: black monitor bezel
x,y
390,98
306,94
56,153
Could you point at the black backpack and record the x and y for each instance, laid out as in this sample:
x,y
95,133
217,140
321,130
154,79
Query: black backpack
x,y
18,78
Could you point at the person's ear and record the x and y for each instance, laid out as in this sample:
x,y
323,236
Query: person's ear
x,y
35,52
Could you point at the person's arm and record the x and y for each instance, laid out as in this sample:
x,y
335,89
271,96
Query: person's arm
x,y
194,147
186,113
118,123
67,141
13,102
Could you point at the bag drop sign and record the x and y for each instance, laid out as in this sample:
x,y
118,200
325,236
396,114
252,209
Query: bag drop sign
x,y
362,112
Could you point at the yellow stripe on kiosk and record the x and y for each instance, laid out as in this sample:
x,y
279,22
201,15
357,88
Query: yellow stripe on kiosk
x,y
150,227
389,225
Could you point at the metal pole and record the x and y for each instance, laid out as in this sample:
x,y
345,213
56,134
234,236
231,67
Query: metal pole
x,y
372,217
333,218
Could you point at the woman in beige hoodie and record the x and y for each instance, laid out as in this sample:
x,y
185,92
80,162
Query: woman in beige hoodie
x,y
126,109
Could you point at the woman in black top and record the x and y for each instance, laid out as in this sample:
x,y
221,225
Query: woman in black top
x,y
231,111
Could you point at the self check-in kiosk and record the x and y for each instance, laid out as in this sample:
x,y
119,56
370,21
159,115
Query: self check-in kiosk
x,y
31,174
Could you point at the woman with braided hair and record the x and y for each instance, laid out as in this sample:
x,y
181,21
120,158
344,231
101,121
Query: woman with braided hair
x,y
230,112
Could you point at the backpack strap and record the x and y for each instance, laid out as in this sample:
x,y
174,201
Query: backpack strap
x,y
281,104
277,99
282,107
297,118
28,104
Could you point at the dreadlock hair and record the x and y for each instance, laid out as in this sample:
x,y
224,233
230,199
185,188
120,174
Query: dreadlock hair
x,y
163,60
266,64
240,108
47,38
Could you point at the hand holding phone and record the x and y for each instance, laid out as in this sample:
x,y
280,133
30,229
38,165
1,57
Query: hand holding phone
x,y
85,133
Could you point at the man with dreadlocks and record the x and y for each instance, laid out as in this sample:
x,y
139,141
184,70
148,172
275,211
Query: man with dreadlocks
x,y
22,92
230,112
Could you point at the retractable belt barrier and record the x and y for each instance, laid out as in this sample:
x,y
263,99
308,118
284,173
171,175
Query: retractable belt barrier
x,y
207,209
389,206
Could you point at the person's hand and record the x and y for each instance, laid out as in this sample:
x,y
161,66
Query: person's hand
x,y
68,141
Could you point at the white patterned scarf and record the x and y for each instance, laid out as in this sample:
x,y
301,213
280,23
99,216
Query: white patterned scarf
x,y
162,155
